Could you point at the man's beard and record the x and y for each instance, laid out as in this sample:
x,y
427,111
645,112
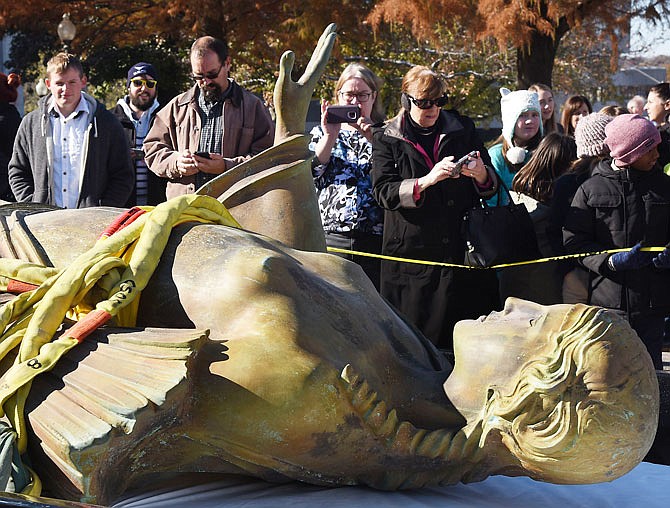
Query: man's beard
x,y
142,104
212,92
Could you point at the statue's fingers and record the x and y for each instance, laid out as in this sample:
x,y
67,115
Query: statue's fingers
x,y
285,67
328,32
325,43
319,59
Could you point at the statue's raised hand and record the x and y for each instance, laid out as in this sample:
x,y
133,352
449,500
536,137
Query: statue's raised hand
x,y
291,98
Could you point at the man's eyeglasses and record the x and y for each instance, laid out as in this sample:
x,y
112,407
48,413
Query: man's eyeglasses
x,y
428,103
362,97
138,83
210,75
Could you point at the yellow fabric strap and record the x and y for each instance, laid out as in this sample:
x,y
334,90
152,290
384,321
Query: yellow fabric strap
x,y
34,488
23,271
31,320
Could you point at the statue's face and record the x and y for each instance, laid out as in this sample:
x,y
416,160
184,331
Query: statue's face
x,y
555,383
492,350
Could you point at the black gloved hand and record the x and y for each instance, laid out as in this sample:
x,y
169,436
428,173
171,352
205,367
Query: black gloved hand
x,y
662,260
630,260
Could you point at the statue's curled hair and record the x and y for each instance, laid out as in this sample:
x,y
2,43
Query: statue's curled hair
x,y
576,414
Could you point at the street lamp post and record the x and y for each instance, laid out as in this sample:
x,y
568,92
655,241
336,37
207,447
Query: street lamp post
x,y
66,31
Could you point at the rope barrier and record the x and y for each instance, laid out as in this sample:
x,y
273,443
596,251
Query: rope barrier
x,y
337,250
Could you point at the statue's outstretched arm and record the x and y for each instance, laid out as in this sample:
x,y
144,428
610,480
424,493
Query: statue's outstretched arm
x,y
291,98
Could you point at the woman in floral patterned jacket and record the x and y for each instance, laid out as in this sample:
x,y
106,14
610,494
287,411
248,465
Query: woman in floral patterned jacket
x,y
351,217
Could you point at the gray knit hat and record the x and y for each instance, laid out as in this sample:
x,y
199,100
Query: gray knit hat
x,y
590,135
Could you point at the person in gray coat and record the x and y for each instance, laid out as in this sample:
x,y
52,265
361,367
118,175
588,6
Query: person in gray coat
x,y
70,152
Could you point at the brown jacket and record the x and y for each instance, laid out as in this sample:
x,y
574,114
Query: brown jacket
x,y
247,130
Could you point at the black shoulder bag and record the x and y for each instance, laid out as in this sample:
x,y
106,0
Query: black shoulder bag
x,y
495,235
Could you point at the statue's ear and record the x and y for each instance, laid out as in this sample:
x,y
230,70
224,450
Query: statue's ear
x,y
587,413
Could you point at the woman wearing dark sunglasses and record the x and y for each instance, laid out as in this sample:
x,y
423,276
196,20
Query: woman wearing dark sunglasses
x,y
425,193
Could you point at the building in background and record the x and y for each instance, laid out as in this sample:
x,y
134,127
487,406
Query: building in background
x,y
638,80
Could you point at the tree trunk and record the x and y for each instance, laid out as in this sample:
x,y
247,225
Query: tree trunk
x,y
535,62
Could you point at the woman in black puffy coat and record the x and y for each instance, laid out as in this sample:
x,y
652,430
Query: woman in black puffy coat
x,y
626,202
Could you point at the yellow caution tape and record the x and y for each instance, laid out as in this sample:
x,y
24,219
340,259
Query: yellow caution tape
x,y
454,265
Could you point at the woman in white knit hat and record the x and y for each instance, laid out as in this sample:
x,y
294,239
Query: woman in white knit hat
x,y
521,133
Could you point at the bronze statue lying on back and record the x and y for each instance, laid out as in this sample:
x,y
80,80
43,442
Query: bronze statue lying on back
x,y
309,375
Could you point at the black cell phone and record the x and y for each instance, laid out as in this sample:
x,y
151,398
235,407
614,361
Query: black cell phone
x,y
465,159
348,113
138,153
204,155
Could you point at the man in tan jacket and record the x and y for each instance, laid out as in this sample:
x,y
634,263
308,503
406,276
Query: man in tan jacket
x,y
208,129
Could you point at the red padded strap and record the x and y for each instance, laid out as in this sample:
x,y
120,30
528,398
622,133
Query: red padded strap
x,y
123,220
17,287
82,329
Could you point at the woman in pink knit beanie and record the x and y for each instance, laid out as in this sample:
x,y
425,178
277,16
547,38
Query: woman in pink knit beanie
x,y
633,141
625,204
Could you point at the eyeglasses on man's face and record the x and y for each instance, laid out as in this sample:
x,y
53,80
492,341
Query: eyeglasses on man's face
x,y
360,97
210,75
138,83
428,103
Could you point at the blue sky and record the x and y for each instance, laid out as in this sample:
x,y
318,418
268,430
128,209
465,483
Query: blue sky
x,y
653,38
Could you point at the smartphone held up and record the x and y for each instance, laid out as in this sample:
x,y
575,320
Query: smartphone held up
x,y
348,113
466,160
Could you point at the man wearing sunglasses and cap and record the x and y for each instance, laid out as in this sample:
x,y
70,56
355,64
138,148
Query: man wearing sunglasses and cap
x,y
136,112
208,129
